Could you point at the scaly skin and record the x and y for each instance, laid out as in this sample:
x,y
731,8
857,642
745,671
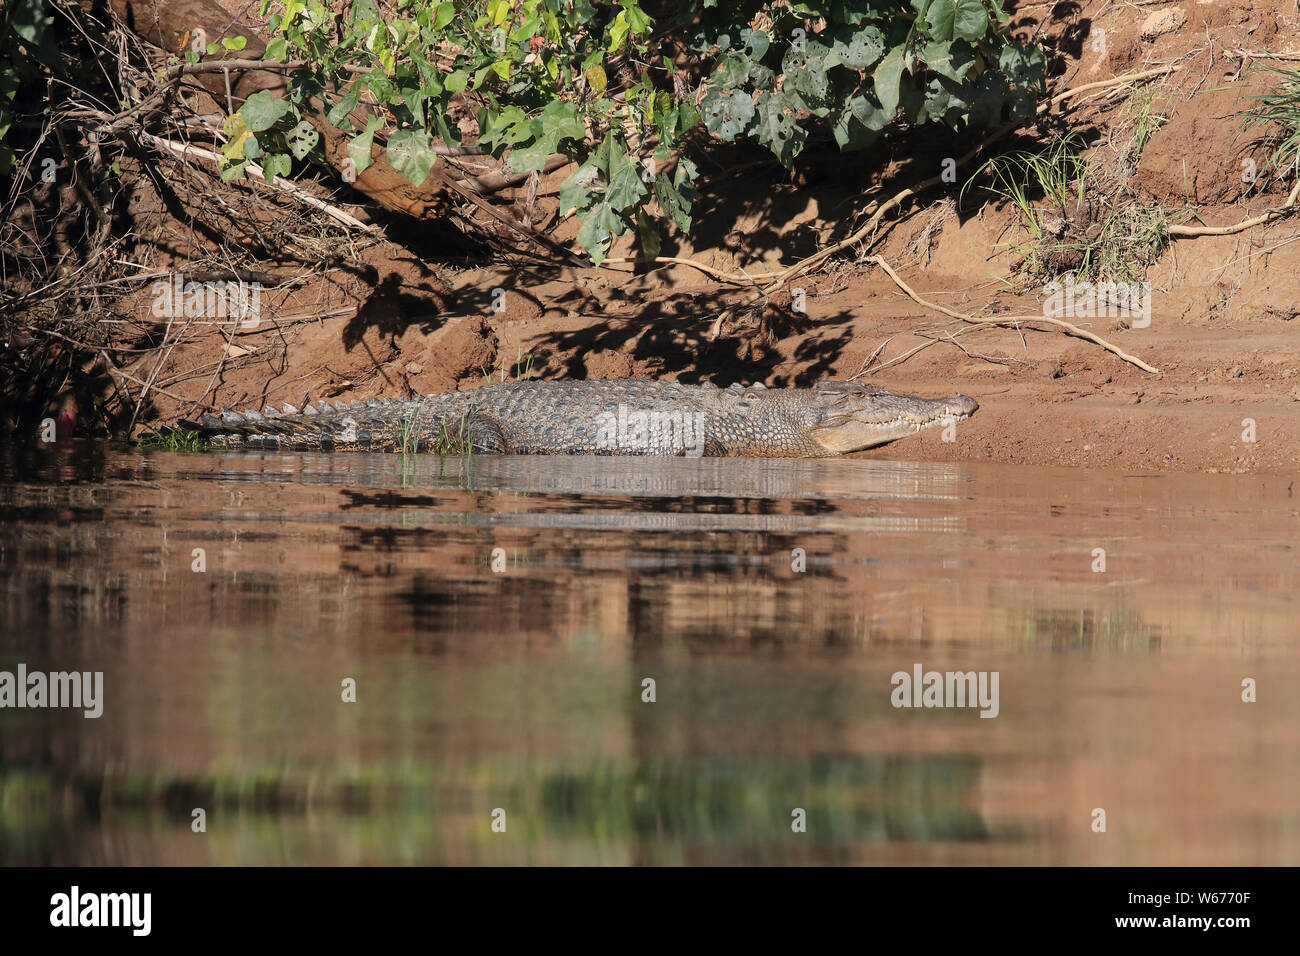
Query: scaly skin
x,y
621,417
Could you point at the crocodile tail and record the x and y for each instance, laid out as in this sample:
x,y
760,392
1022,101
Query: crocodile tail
x,y
417,424
321,425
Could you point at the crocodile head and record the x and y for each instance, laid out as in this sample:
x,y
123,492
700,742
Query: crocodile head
x,y
851,416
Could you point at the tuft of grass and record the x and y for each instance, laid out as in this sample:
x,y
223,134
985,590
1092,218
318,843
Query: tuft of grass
x,y
1138,122
1057,174
1044,188
168,438
1075,218
453,438
523,368
1275,120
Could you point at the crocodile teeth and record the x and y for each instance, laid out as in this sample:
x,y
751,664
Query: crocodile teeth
x,y
288,409
309,409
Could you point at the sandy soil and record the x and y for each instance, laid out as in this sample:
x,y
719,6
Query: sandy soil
x,y
1221,330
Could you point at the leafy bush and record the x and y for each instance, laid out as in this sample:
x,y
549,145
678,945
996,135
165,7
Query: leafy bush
x,y
596,82
858,65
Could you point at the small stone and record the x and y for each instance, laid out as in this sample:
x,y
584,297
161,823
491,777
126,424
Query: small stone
x,y
414,368
1235,372
1162,22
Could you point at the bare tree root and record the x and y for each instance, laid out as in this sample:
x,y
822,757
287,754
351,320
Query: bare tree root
x,y
1014,320
1267,215
861,234
737,278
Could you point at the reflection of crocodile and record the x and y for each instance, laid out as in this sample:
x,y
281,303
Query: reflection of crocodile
x,y
624,417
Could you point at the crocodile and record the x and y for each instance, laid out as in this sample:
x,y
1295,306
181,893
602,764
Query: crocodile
x,y
605,417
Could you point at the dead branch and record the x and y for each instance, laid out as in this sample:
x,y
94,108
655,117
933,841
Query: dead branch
x,y
184,151
1013,320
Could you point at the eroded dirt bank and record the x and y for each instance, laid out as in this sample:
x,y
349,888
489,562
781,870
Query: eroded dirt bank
x,y
393,320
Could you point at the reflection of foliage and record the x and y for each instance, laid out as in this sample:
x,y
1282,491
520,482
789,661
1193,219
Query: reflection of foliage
x,y
716,806
588,80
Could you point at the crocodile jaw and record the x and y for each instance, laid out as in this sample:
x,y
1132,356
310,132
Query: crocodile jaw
x,y
882,420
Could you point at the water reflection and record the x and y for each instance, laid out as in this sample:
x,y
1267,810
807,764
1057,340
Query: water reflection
x,y
769,602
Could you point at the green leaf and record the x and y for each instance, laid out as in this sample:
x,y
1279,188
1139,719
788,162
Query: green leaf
x,y
411,154
359,147
990,95
857,125
626,189
444,15
234,43
805,74
888,75
598,231
508,128
777,129
732,69
449,132
277,164
951,60
957,19
261,111
302,139
947,101
530,158
856,49
651,242
558,121
275,50
755,42
234,171
456,82
338,113
728,114
675,202
580,192
972,20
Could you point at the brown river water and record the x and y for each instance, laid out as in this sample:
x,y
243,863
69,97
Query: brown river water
x,y
507,686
